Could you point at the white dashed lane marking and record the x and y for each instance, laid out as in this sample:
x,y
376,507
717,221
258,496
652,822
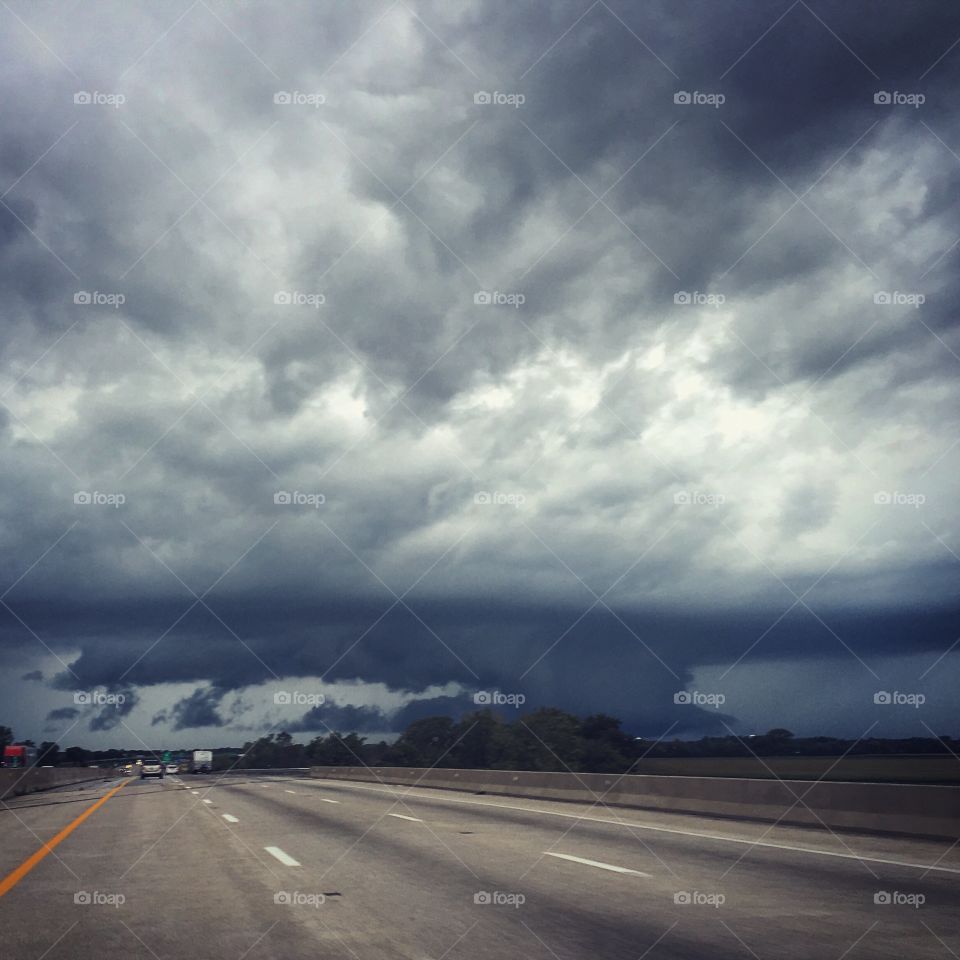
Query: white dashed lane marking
x,y
284,858
596,863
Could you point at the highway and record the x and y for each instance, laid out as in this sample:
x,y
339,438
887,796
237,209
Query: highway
x,y
259,867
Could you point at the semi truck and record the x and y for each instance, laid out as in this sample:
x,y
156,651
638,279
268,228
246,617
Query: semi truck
x,y
19,755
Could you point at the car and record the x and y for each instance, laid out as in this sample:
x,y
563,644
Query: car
x,y
151,768
172,768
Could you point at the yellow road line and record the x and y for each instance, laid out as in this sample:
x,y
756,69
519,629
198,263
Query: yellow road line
x,y
15,876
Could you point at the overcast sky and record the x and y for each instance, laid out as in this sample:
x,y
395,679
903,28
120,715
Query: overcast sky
x,y
390,353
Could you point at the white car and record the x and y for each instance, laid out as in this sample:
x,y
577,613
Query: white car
x,y
151,768
172,768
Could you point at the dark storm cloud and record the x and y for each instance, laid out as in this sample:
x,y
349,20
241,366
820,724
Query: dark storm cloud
x,y
63,713
198,710
33,675
797,400
112,715
346,718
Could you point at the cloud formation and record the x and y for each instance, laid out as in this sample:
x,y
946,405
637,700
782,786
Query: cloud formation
x,y
511,346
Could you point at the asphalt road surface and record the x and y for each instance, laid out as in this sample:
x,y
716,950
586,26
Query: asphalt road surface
x,y
285,868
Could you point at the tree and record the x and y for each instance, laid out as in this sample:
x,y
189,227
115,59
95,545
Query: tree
x,y
547,739
48,754
426,742
6,737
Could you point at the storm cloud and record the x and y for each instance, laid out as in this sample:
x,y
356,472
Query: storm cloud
x,y
596,353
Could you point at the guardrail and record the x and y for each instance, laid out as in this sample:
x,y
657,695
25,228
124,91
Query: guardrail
x,y
15,782
914,809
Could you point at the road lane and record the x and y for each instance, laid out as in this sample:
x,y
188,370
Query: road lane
x,y
273,868
792,898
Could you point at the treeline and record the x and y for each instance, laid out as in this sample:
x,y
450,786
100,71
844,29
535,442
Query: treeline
x,y
549,740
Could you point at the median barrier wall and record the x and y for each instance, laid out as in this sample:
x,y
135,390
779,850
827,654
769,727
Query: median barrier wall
x,y
16,781
914,809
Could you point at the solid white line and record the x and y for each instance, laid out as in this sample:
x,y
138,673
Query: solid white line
x,y
644,826
595,863
229,818
400,816
327,800
284,858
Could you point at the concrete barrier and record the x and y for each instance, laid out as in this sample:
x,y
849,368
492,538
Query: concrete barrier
x,y
913,809
875,768
14,782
